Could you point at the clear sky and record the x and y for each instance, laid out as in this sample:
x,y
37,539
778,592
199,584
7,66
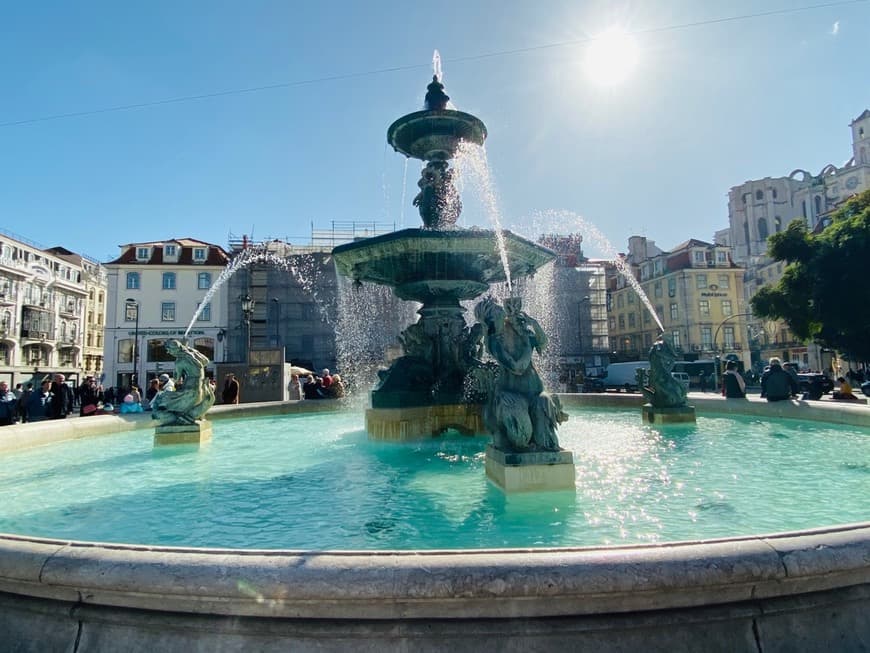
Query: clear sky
x,y
714,98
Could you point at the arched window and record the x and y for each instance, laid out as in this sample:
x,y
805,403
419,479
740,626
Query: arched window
x,y
818,201
762,228
804,207
777,224
773,192
759,195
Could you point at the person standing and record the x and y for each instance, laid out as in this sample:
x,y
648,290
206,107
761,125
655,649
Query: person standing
x,y
231,392
39,404
89,397
8,405
23,403
294,388
62,398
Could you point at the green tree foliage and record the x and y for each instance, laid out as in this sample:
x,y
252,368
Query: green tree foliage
x,y
824,294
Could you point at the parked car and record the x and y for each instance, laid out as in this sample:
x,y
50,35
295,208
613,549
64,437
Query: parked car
x,y
593,384
807,379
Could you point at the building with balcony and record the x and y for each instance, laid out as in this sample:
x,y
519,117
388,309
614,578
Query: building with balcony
x,y
44,301
696,291
154,291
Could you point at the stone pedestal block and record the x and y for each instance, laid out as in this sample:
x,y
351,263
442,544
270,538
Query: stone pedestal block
x,y
421,422
673,415
538,471
183,434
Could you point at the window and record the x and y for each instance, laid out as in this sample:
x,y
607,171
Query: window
x,y
647,340
620,302
675,337
131,312
726,307
125,350
777,224
169,250
205,314
631,298
611,323
759,195
721,256
724,281
632,321
203,280
660,310
658,266
818,201
142,253
657,288
707,337
621,321
701,281
762,228
698,256
132,281
773,192
675,311
704,307
646,317
169,281
672,287
167,312
728,337
199,254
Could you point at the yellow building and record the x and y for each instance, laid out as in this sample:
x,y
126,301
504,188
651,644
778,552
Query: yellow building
x,y
696,291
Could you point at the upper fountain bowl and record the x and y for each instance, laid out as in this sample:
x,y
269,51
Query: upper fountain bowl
x,y
435,133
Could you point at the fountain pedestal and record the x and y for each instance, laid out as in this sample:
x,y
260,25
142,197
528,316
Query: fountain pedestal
x,y
183,433
534,471
415,422
667,415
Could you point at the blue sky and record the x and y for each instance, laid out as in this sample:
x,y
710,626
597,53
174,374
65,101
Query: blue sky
x,y
706,107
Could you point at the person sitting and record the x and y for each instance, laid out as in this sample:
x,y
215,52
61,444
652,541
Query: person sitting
x,y
845,391
325,378
336,388
776,383
311,389
130,405
733,385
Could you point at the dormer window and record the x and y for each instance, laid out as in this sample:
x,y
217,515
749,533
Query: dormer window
x,y
143,253
170,251
199,254
698,256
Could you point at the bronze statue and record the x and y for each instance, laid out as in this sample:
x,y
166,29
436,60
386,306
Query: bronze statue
x,y
193,395
518,413
662,390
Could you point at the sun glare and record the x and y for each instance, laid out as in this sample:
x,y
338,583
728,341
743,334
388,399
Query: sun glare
x,y
611,57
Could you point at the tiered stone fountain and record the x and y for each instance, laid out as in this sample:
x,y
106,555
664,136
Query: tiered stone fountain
x,y
441,381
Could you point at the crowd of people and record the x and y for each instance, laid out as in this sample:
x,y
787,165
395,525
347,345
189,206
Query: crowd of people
x,y
312,386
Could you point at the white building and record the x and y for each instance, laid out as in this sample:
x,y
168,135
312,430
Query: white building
x,y
759,208
48,300
154,290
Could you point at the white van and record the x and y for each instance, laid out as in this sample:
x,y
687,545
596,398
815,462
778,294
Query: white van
x,y
682,377
623,376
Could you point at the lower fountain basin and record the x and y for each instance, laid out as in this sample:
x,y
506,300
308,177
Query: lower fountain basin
x,y
807,590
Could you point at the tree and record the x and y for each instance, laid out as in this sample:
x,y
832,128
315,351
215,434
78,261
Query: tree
x,y
823,294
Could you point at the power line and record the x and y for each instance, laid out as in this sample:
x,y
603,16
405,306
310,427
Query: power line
x,y
394,69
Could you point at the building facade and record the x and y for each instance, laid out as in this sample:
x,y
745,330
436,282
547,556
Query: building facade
x,y
696,291
154,290
761,207
44,302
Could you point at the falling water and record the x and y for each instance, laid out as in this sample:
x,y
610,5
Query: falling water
x,y
473,168
370,318
249,256
568,221
404,193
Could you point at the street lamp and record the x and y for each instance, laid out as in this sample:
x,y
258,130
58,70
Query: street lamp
x,y
277,322
247,310
132,313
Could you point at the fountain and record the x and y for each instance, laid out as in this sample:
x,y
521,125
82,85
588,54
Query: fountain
x,y
440,381
806,589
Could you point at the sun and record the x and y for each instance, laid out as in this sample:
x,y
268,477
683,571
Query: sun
x,y
611,57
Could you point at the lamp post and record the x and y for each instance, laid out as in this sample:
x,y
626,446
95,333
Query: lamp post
x,y
132,313
247,310
277,322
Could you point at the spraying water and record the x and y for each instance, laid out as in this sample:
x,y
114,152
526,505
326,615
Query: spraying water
x,y
562,219
436,65
473,169
249,256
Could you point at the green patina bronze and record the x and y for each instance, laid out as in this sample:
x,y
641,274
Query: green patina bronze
x,y
440,265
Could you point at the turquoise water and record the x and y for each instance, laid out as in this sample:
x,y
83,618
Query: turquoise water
x,y
316,482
